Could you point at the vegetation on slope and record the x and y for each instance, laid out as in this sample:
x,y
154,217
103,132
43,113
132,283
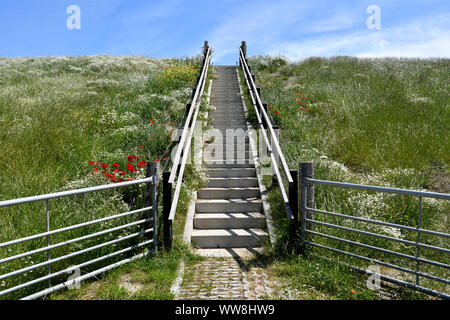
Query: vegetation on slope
x,y
371,121
76,122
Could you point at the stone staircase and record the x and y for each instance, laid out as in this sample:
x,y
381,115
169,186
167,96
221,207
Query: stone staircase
x,y
229,214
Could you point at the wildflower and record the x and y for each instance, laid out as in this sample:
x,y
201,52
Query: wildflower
x,y
170,123
151,121
270,107
116,170
120,180
276,112
308,109
165,158
170,133
130,179
353,291
141,147
301,108
104,165
131,157
91,163
156,160
115,165
95,170
298,101
142,164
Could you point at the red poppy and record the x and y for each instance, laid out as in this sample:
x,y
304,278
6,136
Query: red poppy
x,y
156,160
302,108
170,133
165,158
115,165
170,123
142,164
141,147
116,170
151,121
270,107
104,165
120,180
95,170
131,157
276,112
308,109
91,163
298,101
122,173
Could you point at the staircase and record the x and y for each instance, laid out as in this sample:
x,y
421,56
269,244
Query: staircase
x,y
229,216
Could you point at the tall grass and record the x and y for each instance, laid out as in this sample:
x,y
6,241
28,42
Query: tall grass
x,y
372,121
57,114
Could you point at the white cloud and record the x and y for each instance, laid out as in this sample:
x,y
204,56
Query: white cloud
x,y
282,28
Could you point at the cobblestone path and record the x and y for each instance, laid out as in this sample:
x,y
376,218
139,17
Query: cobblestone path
x,y
226,278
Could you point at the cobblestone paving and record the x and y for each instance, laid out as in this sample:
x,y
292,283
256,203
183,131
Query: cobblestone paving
x,y
226,278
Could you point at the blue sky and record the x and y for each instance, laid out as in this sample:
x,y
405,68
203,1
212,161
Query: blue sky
x,y
175,28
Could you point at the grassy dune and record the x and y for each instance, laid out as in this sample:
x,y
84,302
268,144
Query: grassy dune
x,y
65,123
373,121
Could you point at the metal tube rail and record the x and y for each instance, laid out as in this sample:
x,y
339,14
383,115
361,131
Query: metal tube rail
x,y
84,224
381,236
62,194
180,148
73,268
173,207
266,117
425,194
402,255
382,223
383,277
276,169
82,278
73,254
64,243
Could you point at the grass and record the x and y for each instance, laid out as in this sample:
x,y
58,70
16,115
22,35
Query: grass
x,y
58,114
372,121
152,277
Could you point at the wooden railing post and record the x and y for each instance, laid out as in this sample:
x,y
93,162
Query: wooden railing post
x,y
276,155
167,204
306,170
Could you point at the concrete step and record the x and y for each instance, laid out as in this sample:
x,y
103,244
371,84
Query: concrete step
x,y
228,238
228,193
229,220
232,172
211,155
242,182
224,164
232,146
228,205
241,253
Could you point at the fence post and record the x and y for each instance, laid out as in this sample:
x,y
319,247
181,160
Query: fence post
x,y
306,170
419,225
152,169
276,155
293,204
244,48
167,203
205,48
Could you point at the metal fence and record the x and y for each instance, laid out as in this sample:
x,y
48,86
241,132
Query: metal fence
x,y
145,218
308,234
